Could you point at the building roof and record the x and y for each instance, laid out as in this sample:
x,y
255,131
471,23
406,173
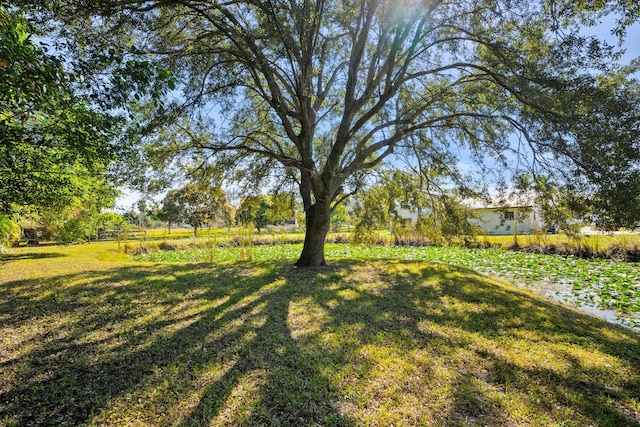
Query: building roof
x,y
499,202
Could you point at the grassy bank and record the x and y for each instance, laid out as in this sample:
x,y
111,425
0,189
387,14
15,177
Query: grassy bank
x,y
90,338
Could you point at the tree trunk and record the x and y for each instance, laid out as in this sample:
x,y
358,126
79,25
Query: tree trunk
x,y
318,221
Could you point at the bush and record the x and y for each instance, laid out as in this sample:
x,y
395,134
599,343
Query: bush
x,y
9,231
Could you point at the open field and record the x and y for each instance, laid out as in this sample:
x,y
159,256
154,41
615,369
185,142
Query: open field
x,y
89,337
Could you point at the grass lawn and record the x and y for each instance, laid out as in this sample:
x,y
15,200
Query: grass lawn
x,y
88,337
598,286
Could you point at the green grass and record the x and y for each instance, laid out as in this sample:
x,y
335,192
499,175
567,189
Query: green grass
x,y
600,283
219,235
88,337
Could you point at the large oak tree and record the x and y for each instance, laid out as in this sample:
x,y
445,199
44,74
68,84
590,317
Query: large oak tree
x,y
321,90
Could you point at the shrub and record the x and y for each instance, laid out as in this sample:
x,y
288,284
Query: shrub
x,y
9,231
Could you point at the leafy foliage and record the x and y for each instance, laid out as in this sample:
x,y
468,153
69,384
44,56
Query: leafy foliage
x,y
253,210
441,218
196,205
110,222
261,210
282,207
9,231
339,217
51,141
318,93
600,139
170,211
61,133
447,221
81,218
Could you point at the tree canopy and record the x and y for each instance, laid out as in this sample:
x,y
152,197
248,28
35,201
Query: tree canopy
x,y
195,204
64,133
322,91
51,141
253,211
261,210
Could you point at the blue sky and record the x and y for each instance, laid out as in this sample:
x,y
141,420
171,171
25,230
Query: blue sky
x,y
632,46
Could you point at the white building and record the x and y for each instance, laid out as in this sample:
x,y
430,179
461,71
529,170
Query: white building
x,y
496,215
506,215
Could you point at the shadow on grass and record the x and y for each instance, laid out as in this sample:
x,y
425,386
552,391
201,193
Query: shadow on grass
x,y
262,344
72,351
30,255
